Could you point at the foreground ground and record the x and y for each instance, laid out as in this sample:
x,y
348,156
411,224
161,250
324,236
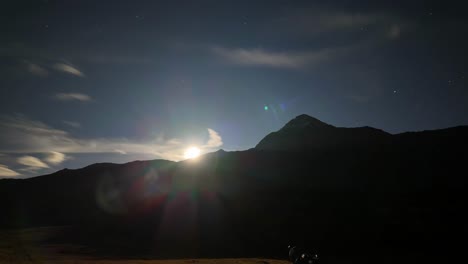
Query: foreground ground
x,y
136,261
30,246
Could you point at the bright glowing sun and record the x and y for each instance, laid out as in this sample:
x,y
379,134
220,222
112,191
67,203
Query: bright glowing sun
x,y
192,152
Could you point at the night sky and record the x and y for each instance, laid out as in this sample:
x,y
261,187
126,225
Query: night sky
x,y
112,81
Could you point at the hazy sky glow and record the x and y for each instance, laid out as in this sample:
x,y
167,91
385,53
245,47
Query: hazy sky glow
x,y
114,81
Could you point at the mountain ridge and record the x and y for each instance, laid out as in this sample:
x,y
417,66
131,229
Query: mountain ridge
x,y
306,132
301,122
399,193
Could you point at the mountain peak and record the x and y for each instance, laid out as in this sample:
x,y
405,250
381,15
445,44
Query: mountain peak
x,y
305,121
306,132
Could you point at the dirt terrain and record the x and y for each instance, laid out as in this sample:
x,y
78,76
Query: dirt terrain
x,y
34,245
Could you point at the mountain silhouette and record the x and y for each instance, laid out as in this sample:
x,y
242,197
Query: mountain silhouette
x,y
344,191
306,133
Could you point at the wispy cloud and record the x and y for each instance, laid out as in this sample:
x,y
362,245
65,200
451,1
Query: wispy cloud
x,y
215,139
35,69
19,134
72,123
311,21
6,172
32,162
20,122
316,24
55,157
308,24
67,68
260,57
72,97
120,151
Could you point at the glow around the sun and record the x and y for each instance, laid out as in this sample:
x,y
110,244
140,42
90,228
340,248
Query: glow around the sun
x,y
192,152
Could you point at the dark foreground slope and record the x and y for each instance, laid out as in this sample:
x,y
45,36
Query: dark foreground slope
x,y
310,183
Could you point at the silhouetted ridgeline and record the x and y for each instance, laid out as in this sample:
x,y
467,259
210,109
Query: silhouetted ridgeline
x,y
345,191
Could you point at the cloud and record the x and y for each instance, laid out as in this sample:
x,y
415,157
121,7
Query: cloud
x,y
18,134
72,123
36,69
22,123
6,172
120,151
67,68
310,24
32,162
54,157
260,57
312,21
214,140
314,24
73,96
